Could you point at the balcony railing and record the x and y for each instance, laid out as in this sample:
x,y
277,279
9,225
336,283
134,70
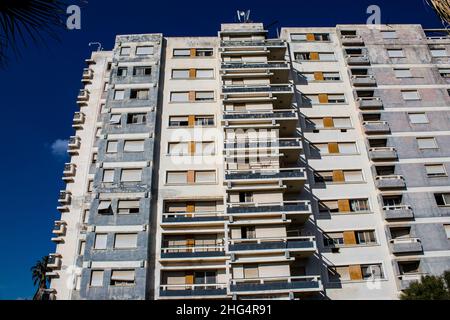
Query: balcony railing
x,y
363,80
252,43
391,181
83,95
383,153
192,252
369,103
54,261
69,171
275,207
260,174
398,212
251,285
287,243
255,65
406,245
257,88
263,143
87,75
360,59
405,280
184,217
73,145
64,197
261,114
376,127
352,40
192,290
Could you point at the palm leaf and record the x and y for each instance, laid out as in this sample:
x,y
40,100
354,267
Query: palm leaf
x,y
442,9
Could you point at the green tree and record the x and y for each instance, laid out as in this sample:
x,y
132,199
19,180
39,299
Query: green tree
x,y
40,279
429,288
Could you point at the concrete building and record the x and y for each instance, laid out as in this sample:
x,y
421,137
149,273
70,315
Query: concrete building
x,y
311,166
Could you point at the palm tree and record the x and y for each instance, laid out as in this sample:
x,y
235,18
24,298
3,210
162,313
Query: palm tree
x,y
40,279
25,20
442,9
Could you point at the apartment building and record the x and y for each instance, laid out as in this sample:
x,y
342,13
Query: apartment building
x,y
310,166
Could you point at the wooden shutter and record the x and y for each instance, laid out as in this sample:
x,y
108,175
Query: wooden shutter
x,y
328,122
191,121
349,238
355,272
190,242
190,207
191,177
310,37
191,148
323,98
338,176
344,205
333,147
189,277
314,55
193,52
318,76
191,96
192,73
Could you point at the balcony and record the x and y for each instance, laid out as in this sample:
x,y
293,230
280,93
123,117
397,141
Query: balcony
x,y
74,145
83,96
358,60
257,89
276,285
295,177
303,245
88,74
60,228
249,66
287,114
364,81
192,291
54,261
264,209
371,103
400,212
78,120
406,245
193,252
353,40
194,219
383,153
69,172
405,280
390,182
249,44
65,197
263,143
376,127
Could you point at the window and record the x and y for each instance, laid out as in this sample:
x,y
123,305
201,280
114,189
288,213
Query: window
x,y
205,148
119,94
353,176
373,271
125,241
359,205
418,118
122,277
181,52
180,74
90,186
331,76
139,94
115,119
410,95
204,52
348,148
251,271
134,146
447,230
403,73
96,278
205,277
128,206
336,274
445,73
438,52
326,56
427,143
396,53
205,74
142,71
81,248
204,121
389,34
365,237
205,176
131,175
342,123
122,71
298,36
136,118
108,175
248,232
125,51
178,121
94,158
100,241
204,96
104,207
178,148
176,177
112,147
179,96
336,98
435,170
144,50
442,199
333,239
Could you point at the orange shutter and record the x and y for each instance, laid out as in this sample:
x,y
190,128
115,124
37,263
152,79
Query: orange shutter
x,y
333,147
344,205
191,148
191,121
191,177
314,55
323,98
189,277
355,272
192,73
190,207
338,176
193,52
349,238
328,122
310,37
318,76
191,96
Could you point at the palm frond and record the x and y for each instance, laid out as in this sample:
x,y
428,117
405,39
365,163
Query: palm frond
x,y
442,9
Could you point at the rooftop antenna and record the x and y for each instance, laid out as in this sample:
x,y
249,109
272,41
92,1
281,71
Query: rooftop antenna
x,y
99,48
243,16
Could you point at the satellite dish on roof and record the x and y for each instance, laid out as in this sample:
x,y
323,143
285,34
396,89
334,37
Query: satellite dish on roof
x,y
243,16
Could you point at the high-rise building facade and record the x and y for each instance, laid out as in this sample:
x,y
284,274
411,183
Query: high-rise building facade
x,y
310,166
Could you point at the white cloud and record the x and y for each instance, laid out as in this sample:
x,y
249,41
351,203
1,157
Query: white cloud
x,y
59,148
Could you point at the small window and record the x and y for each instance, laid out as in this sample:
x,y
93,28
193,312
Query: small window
x,y
438,52
128,206
435,170
122,277
96,278
104,207
418,118
365,237
180,74
112,147
326,56
142,71
125,51
179,96
179,121
205,177
144,50
125,241
445,73
204,121
204,52
348,148
403,73
410,95
298,37
181,52
122,71
81,248
442,199
178,148
139,94
204,96
119,95
447,230
176,177
100,241
389,34
396,53
131,175
134,146
115,119
427,143
136,118
205,74
332,239
108,175
373,271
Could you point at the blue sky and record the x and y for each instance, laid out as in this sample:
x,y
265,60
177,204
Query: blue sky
x,y
38,101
